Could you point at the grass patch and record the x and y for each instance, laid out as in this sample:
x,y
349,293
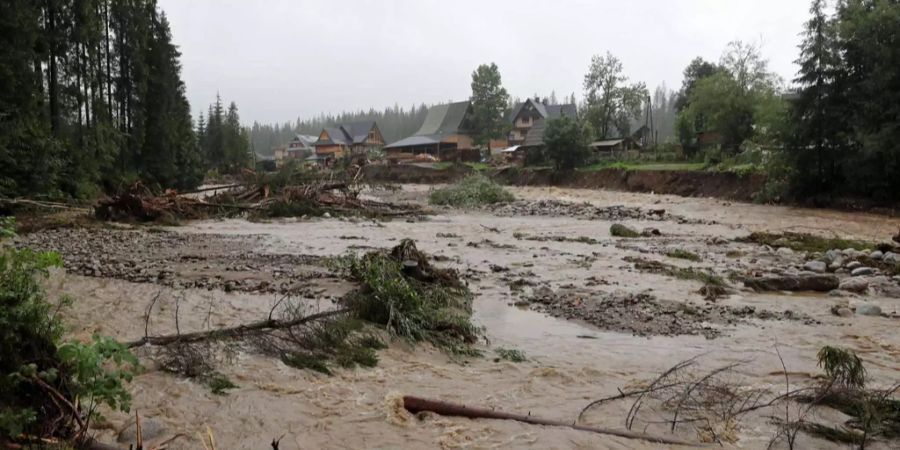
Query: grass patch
x,y
511,355
683,254
805,242
706,277
479,166
619,230
629,166
220,384
472,191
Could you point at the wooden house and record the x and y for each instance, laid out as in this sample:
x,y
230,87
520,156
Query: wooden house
x,y
444,136
529,119
347,140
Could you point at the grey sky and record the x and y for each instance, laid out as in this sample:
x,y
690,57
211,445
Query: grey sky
x,y
282,59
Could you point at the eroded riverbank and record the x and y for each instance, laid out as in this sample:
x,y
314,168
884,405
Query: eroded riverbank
x,y
570,362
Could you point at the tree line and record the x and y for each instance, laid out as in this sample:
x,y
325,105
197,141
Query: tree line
x,y
91,96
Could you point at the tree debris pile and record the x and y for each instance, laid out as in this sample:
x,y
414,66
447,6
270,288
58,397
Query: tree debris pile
x,y
139,203
470,192
290,193
401,291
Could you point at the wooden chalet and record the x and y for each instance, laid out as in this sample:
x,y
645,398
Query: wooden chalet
x,y
444,136
529,120
347,140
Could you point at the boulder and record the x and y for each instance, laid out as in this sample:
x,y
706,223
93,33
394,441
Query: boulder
x,y
853,265
836,264
832,255
891,257
868,309
784,251
877,255
802,282
862,271
841,311
815,266
858,285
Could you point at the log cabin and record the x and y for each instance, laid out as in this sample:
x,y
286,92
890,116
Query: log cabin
x,y
353,140
444,136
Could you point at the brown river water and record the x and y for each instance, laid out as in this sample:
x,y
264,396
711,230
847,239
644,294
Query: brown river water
x,y
569,362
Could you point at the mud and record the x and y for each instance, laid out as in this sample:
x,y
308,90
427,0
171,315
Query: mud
x,y
612,328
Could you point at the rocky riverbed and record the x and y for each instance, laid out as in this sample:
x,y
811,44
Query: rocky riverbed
x,y
549,281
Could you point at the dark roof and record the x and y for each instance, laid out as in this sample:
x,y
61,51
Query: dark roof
x,y
347,134
440,121
545,111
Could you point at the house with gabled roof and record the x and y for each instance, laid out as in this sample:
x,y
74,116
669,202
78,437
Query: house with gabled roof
x,y
347,140
445,136
529,119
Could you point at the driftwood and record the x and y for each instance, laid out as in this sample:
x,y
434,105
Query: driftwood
x,y
819,283
417,404
237,331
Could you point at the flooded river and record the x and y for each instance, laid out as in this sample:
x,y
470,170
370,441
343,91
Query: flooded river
x,y
570,362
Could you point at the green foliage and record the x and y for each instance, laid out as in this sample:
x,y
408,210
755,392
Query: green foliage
x,y
220,384
846,123
612,103
489,101
683,254
566,144
619,230
91,92
97,371
306,360
436,310
511,355
7,227
842,367
30,342
472,191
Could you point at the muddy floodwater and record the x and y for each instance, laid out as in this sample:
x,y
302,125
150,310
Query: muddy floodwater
x,y
580,346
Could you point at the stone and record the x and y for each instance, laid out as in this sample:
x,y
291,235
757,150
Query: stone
x,y
868,309
853,265
877,255
808,282
832,255
851,253
784,251
150,430
891,257
862,271
842,311
858,285
327,215
815,266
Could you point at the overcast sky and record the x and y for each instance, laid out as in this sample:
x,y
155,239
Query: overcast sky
x,y
283,59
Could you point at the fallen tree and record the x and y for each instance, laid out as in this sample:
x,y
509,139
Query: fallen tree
x,y
416,405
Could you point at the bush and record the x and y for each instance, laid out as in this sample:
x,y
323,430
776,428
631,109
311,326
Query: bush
x,y
37,366
619,230
472,191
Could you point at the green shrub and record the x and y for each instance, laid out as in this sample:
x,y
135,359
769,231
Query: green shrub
x,y
511,355
472,191
619,230
35,360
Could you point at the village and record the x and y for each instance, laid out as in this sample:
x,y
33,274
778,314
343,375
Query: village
x,y
444,137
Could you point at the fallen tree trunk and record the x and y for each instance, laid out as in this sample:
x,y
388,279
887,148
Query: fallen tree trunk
x,y
818,283
417,404
238,331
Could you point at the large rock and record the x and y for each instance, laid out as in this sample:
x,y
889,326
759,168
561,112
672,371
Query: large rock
x,y
891,257
877,255
868,309
853,265
862,271
819,283
858,285
784,251
815,266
